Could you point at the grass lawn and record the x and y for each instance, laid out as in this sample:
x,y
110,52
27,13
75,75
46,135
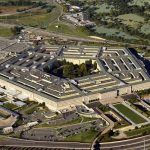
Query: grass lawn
x,y
138,132
38,17
31,109
132,20
3,138
10,106
103,108
87,137
145,29
5,32
139,2
145,113
103,8
11,9
17,0
28,109
129,113
69,29
75,121
86,119
113,32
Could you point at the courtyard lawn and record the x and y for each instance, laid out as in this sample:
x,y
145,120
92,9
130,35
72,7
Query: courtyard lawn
x,y
129,113
86,137
138,132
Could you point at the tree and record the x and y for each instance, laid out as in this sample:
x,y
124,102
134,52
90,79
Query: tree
x,y
83,70
110,133
68,71
16,30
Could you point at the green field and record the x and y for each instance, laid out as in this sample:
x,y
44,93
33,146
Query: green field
x,y
113,32
5,32
140,2
29,108
18,0
104,8
69,29
123,21
87,137
129,113
38,17
45,125
75,121
131,20
138,132
145,28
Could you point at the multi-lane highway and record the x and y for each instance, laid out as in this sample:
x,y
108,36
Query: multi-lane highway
x,y
140,143
13,142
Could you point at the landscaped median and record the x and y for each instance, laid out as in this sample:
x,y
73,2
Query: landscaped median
x,y
129,114
87,137
78,120
5,32
138,132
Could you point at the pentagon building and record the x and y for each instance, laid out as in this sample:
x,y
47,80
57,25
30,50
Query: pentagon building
x,y
119,72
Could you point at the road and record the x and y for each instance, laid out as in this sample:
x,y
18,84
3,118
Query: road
x,y
62,36
109,127
42,32
135,144
43,144
70,37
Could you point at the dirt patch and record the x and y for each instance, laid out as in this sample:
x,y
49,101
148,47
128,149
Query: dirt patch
x,y
11,9
8,122
146,97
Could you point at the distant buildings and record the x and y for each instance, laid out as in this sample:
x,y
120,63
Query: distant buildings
x,y
78,19
75,15
74,8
